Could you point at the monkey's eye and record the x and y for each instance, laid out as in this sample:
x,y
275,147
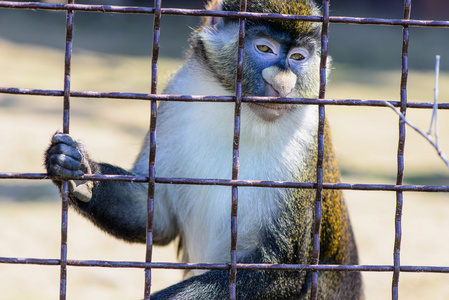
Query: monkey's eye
x,y
297,56
268,48
264,48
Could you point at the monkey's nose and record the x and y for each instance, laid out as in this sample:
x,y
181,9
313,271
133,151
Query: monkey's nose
x,y
280,82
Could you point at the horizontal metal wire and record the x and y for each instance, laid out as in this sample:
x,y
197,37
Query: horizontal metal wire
x,y
230,99
242,183
204,266
202,12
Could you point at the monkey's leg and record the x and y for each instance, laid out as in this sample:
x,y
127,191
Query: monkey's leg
x,y
257,284
250,285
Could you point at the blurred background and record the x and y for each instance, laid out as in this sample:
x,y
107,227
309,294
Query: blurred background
x,y
112,53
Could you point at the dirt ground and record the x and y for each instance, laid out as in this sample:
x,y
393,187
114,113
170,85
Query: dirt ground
x,y
365,140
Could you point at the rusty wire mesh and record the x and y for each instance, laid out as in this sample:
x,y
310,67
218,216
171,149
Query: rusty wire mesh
x,y
399,188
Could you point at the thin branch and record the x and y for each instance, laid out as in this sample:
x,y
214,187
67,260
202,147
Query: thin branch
x,y
435,101
404,119
434,120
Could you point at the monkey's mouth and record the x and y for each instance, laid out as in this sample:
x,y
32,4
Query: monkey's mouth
x,y
270,111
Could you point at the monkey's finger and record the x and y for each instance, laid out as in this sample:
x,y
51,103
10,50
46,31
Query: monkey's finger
x,y
63,138
65,162
59,172
65,149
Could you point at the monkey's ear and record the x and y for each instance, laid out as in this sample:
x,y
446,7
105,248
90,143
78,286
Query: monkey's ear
x,y
216,5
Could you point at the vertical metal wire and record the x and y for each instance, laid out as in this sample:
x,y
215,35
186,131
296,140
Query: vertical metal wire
x,y
66,122
152,157
320,154
235,155
400,162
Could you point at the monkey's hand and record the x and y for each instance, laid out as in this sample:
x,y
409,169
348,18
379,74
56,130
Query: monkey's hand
x,y
66,159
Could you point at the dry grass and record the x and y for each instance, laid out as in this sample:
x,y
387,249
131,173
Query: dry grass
x,y
365,139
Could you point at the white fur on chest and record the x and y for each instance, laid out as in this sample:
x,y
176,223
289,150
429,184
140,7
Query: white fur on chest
x,y
194,140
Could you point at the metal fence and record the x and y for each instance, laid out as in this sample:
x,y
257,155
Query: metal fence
x,y
67,94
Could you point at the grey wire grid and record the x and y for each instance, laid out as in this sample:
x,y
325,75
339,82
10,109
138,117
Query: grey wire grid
x,y
235,183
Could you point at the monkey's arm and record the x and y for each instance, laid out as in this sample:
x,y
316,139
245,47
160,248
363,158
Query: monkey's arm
x,y
119,208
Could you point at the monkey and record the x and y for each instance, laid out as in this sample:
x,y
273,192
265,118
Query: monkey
x,y
194,140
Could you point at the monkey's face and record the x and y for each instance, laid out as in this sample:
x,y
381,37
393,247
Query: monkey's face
x,y
281,58
277,65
